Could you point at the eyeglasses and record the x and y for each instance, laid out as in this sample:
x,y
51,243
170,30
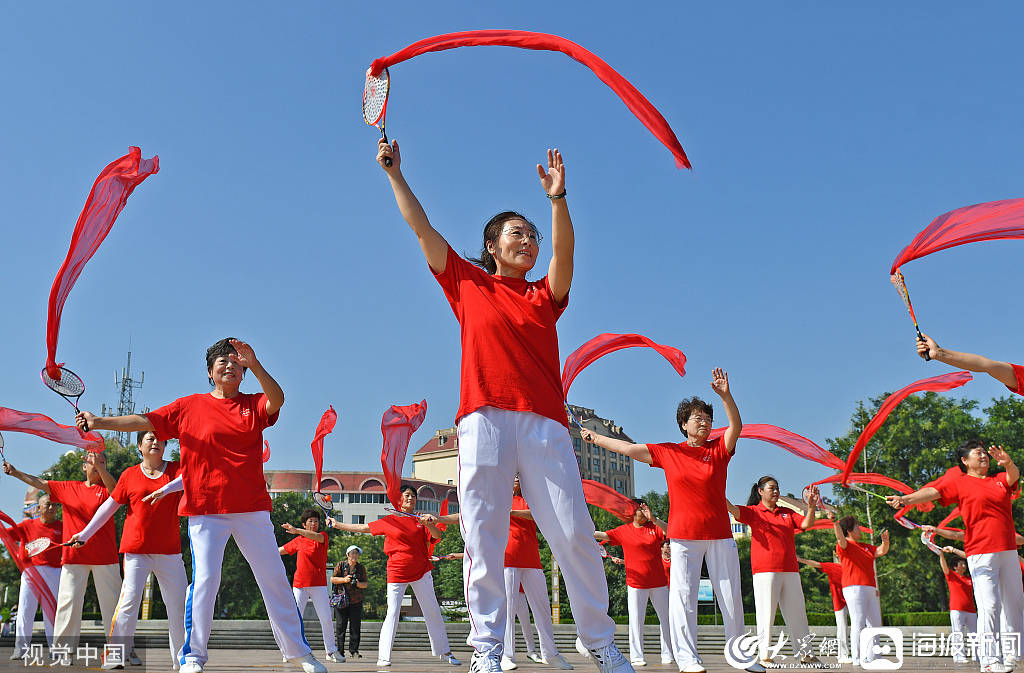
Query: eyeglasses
x,y
519,235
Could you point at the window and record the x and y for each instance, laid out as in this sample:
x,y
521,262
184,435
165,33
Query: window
x,y
618,485
596,464
737,528
358,518
373,498
429,506
577,443
336,498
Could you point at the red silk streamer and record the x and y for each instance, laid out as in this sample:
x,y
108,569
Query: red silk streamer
x,y
323,428
47,428
952,516
266,451
608,499
990,221
108,196
790,441
397,426
441,527
634,100
823,524
36,583
603,344
934,384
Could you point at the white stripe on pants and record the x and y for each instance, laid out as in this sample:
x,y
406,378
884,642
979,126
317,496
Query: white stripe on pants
x,y
322,605
522,611
965,623
494,445
423,588
865,610
997,584
842,617
27,604
74,579
684,579
254,535
170,573
781,591
535,586
636,601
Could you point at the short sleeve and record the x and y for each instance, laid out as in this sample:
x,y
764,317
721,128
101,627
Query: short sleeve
x,y
292,546
558,306
60,491
361,573
1018,371
746,514
380,527
120,494
657,452
264,419
614,539
797,519
165,420
17,531
947,486
450,277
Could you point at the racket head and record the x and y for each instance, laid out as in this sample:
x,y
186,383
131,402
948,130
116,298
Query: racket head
x,y
401,513
70,384
375,97
2,445
37,546
323,501
900,283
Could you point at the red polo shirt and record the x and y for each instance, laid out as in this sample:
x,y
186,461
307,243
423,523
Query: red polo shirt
x,y
772,549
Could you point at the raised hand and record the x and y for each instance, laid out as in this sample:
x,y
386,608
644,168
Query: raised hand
x,y
243,355
646,511
720,381
85,420
812,497
331,522
998,454
927,347
8,468
290,528
552,180
587,435
385,150
885,535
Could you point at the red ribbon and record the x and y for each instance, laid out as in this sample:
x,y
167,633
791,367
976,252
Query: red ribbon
x,y
397,426
47,428
603,344
323,428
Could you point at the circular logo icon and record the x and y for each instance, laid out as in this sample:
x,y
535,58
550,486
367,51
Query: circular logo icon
x,y
741,651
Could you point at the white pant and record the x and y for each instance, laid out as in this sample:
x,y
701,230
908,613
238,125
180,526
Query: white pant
x,y
522,611
967,624
865,610
636,601
782,591
842,617
423,588
74,579
254,535
322,605
170,573
27,604
684,579
535,587
495,444
997,584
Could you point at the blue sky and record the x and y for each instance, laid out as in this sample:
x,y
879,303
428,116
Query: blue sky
x,y
823,138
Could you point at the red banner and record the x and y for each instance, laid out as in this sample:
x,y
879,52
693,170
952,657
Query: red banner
x,y
323,428
397,426
608,499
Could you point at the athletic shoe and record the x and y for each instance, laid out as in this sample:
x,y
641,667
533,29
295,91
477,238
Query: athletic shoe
x,y
610,660
134,659
485,663
997,667
637,663
112,665
16,654
754,668
581,649
844,660
508,665
383,663
309,664
692,668
336,656
284,659
191,666
534,657
558,661
450,659
355,655
667,662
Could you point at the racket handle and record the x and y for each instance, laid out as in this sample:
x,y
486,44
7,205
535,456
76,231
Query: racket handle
x,y
920,337
387,160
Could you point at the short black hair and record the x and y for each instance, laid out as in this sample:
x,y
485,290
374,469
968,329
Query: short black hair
x,y
141,434
755,495
964,450
687,407
407,487
309,513
222,348
847,524
639,501
492,231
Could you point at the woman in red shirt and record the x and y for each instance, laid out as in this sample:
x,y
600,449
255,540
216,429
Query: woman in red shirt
x,y
774,565
406,543
963,614
511,415
989,542
834,573
860,588
310,582
47,564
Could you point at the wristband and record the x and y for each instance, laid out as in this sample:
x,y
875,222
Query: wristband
x,y
556,196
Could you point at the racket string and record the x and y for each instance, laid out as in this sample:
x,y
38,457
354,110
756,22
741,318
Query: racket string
x,y
70,385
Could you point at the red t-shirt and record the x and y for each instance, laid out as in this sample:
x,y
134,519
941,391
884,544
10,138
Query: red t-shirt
x,y
858,561
33,529
641,550
834,572
80,503
985,508
509,342
667,564
961,592
405,543
311,562
148,528
1018,371
221,451
696,484
772,549
523,550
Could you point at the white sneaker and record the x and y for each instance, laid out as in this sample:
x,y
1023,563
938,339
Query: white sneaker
x,y
610,660
692,668
534,657
485,663
997,667
309,664
581,649
191,666
336,656
667,662
508,665
112,665
844,660
134,659
383,663
754,668
638,662
16,654
558,661
450,659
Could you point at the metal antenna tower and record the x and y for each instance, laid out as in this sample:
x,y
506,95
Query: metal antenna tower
x,y
127,384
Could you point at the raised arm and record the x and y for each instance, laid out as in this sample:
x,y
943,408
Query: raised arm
x,y
131,423
245,356
99,461
429,522
348,527
433,245
998,454
808,562
926,494
308,534
840,538
30,479
883,548
943,564
638,452
720,384
955,552
1000,371
812,509
733,509
563,240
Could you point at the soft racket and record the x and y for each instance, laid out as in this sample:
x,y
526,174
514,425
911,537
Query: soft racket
x,y
70,386
324,502
375,102
2,454
38,546
401,513
901,286
927,540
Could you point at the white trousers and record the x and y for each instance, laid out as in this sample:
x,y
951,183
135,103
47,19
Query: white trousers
x,y
254,535
170,573
523,613
74,579
684,579
535,586
636,602
322,605
865,610
842,617
423,588
494,445
965,623
780,591
997,584
27,604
